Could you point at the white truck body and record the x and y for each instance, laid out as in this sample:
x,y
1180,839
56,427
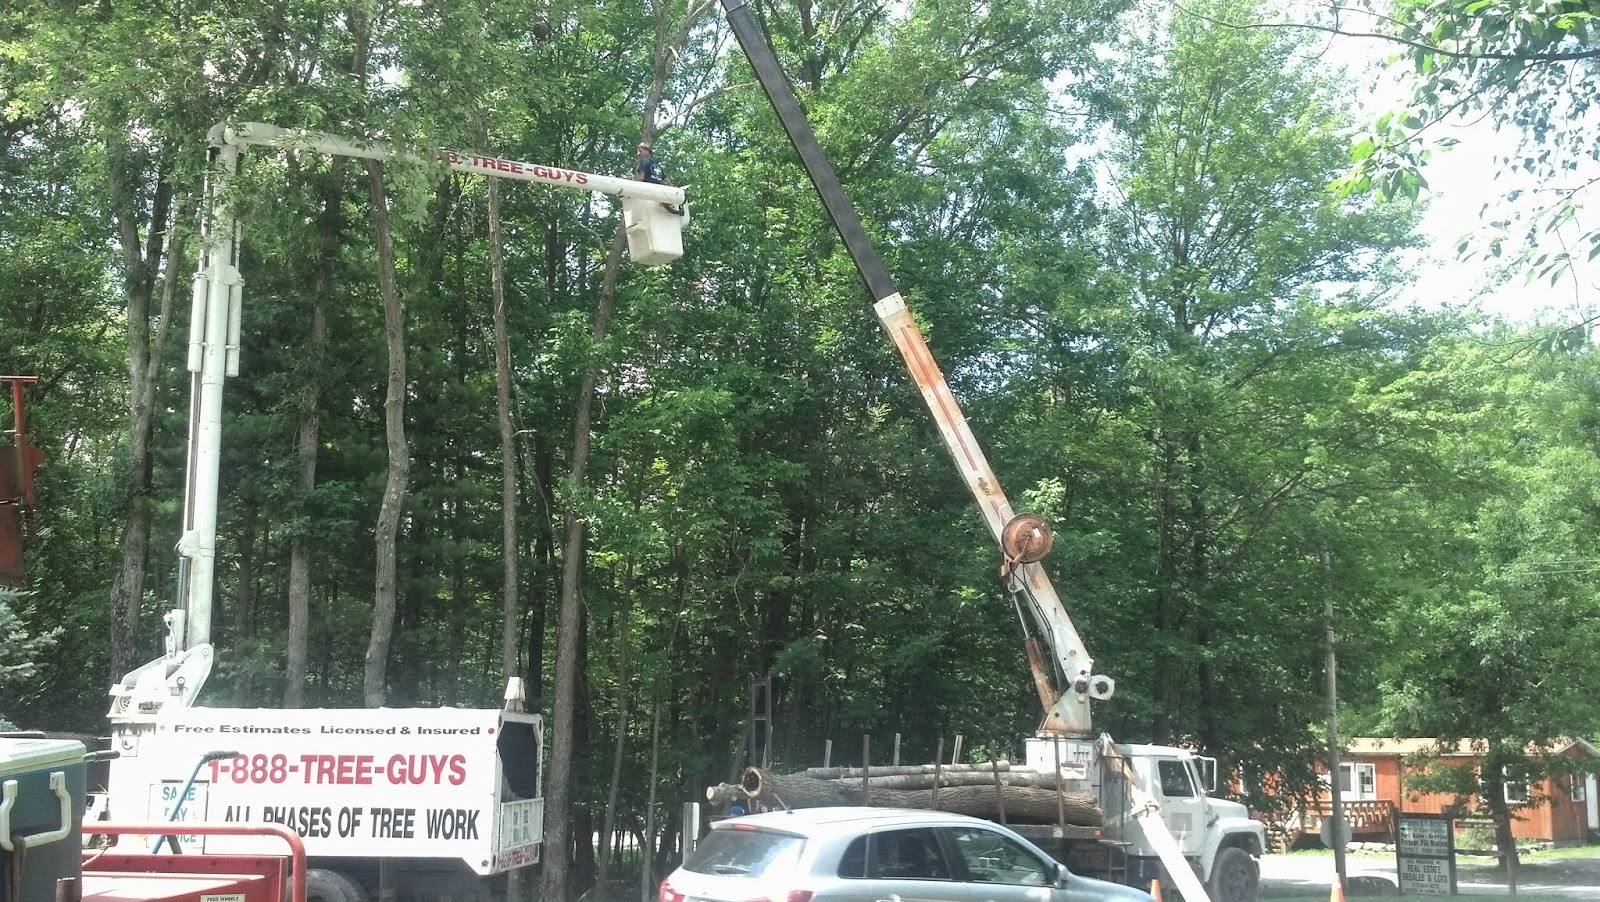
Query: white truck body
x,y
409,788
447,784
1171,780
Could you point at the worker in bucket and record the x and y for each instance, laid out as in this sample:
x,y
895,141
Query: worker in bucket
x,y
648,169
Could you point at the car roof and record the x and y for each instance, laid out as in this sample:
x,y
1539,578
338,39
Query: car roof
x,y
802,820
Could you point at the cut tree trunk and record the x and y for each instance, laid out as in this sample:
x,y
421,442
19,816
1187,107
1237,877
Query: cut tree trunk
x,y
965,778
1021,804
900,770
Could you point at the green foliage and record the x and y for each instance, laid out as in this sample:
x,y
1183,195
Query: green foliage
x,y
1491,650
21,654
1528,65
1171,339
1225,422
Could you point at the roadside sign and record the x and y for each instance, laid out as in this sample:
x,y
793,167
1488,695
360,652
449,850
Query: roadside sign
x,y
1426,854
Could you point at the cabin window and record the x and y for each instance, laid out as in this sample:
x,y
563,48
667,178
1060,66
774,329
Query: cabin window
x,y
1358,781
1580,789
1516,791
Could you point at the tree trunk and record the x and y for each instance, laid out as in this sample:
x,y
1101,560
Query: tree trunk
x,y
1506,842
517,881
509,543
544,549
127,588
623,639
967,778
583,850
394,491
144,366
306,442
647,872
1022,804
244,605
424,560
1167,602
558,840
855,773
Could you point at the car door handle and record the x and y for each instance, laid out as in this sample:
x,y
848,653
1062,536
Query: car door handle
x,y
892,897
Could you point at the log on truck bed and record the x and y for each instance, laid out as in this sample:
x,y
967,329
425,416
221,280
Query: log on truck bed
x,y
1009,800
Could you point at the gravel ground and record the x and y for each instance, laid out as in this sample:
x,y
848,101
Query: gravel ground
x,y
1299,876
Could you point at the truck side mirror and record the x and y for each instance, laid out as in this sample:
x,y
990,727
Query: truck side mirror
x,y
1208,774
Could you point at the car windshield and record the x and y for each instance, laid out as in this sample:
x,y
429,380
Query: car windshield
x,y
744,852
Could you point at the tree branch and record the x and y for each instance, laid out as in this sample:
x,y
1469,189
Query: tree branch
x,y
1565,56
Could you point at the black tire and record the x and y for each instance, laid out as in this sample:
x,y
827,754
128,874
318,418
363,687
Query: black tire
x,y
332,886
1235,876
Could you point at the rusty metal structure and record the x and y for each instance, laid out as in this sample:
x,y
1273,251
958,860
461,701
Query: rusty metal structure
x,y
18,461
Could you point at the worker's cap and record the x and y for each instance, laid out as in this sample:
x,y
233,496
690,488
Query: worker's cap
x,y
643,146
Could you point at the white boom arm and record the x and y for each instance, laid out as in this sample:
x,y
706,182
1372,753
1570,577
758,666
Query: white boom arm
x,y
653,237
334,145
1067,708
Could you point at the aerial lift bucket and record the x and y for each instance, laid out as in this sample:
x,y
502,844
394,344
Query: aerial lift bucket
x,y
655,233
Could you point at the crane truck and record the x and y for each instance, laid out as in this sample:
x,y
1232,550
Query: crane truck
x,y
1163,825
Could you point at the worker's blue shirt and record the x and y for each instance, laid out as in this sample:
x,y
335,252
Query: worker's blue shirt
x,y
649,169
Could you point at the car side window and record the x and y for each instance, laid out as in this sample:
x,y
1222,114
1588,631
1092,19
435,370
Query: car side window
x,y
853,864
895,855
1175,781
992,858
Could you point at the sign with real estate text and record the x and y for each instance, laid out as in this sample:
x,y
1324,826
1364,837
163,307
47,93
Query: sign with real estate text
x,y
1426,854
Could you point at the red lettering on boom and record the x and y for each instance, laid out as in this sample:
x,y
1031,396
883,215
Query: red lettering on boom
x,y
495,164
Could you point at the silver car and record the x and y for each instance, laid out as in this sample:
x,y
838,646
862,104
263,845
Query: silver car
x,y
876,855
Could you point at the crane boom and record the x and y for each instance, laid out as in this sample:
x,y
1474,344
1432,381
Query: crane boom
x,y
1066,707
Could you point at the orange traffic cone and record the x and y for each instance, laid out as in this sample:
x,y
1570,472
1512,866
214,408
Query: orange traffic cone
x,y
1155,889
1338,890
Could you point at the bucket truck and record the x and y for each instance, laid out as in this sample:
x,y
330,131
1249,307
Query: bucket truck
x,y
1161,823
443,799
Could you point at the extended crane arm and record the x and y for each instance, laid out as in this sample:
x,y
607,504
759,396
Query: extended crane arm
x,y
1066,710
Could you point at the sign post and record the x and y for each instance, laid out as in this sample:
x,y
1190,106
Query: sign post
x,y
1426,854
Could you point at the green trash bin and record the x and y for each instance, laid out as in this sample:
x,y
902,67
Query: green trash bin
x,y
41,816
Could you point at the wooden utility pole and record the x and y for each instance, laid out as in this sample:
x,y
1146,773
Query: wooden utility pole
x,y
1336,832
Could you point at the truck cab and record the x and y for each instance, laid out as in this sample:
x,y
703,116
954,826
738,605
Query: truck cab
x,y
1217,837
1203,826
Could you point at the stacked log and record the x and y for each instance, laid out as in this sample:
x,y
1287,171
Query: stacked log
x,y
1016,795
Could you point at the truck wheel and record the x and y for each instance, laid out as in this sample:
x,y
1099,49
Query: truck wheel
x,y
332,886
1235,876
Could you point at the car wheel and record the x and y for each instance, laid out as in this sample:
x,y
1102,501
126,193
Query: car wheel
x,y
332,886
1235,876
